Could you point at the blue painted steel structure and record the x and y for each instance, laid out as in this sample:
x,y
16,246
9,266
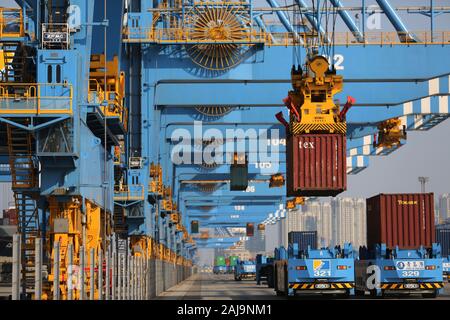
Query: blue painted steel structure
x,y
385,79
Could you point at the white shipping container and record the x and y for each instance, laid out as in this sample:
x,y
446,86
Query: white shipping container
x,y
6,197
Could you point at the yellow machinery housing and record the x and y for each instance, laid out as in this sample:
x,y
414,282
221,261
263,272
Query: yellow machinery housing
x,y
390,133
156,184
67,223
113,92
311,102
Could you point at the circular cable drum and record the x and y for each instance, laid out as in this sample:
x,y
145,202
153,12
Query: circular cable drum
x,y
220,22
214,111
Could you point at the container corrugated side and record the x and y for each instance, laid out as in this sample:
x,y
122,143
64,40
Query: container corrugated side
x,y
303,239
443,237
405,220
316,165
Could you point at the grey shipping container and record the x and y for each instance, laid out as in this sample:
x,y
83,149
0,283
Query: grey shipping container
x,y
405,220
303,239
443,237
6,196
316,165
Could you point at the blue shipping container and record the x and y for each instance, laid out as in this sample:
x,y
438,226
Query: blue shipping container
x,y
303,239
443,237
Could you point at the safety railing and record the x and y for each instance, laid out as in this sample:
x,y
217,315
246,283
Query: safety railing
x,y
36,98
114,107
370,38
187,36
129,192
193,36
11,23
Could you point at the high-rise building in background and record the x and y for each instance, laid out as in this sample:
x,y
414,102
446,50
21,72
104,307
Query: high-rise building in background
x,y
444,207
349,221
257,243
336,222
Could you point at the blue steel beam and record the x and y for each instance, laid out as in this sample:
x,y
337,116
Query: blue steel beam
x,y
348,20
284,19
390,13
310,17
270,94
262,26
357,63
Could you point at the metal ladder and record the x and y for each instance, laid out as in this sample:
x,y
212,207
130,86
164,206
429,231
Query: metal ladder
x,y
24,184
120,225
14,66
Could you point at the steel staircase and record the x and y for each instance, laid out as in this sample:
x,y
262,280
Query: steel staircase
x,y
25,186
14,65
120,225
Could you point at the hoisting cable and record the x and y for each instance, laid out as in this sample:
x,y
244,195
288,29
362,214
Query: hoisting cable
x,y
325,38
105,171
333,39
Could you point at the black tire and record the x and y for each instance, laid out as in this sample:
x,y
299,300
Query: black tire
x,y
275,279
346,295
270,281
359,293
286,283
280,294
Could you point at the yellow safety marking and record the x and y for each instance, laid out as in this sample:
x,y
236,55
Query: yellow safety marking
x,y
384,286
340,286
394,286
304,286
298,127
429,285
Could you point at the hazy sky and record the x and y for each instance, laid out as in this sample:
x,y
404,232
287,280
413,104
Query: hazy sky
x,y
425,154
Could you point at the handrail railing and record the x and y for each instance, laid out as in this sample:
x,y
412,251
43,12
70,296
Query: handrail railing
x,y
127,193
36,98
114,99
11,23
192,36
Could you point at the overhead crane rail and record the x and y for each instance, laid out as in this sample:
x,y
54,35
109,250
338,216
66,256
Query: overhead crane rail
x,y
36,98
184,36
308,10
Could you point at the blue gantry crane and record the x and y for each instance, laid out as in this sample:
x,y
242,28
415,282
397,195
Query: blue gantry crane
x,y
120,120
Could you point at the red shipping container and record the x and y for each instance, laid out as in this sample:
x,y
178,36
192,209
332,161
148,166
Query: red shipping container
x,y
250,229
405,219
11,216
316,165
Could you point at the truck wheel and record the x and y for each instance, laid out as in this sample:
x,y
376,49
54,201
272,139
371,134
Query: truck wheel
x,y
359,293
430,295
270,281
346,294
